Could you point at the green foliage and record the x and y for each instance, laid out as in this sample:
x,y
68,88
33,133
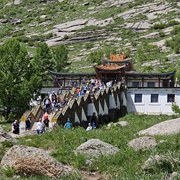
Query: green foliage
x,y
164,25
108,51
43,60
9,171
175,108
18,33
161,34
89,45
17,83
95,57
126,163
175,30
60,58
174,43
146,53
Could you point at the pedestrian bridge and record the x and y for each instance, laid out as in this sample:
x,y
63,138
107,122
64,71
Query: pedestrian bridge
x,y
108,104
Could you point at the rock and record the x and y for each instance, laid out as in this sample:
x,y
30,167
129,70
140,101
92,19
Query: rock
x,y
142,143
4,136
139,25
151,35
16,21
163,128
174,176
76,23
85,4
88,162
160,163
95,147
33,161
122,123
43,16
101,23
17,1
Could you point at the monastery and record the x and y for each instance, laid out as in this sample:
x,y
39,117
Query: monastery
x,y
132,92
148,93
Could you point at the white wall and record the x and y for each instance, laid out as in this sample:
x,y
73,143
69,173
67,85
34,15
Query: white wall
x,y
146,107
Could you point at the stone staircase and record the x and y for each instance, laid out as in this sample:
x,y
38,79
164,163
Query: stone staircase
x,y
51,124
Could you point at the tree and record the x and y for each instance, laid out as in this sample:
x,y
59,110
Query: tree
x,y
43,61
95,57
60,58
17,79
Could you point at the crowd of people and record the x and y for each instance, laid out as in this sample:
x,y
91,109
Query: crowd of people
x,y
52,102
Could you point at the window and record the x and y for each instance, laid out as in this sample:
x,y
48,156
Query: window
x,y
138,98
135,84
150,84
170,98
154,98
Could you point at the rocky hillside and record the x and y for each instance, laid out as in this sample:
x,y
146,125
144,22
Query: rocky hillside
x,y
148,31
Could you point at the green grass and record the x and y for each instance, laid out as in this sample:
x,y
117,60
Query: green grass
x,y
125,164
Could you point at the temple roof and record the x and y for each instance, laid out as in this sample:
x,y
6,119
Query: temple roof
x,y
62,74
109,67
116,61
150,75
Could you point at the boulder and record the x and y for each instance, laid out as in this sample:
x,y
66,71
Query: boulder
x,y
159,163
33,161
163,128
95,148
142,143
4,136
122,123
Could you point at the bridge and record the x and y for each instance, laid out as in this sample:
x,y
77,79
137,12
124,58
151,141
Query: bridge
x,y
108,104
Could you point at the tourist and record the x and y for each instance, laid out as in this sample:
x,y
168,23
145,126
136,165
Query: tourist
x,y
89,128
94,120
15,127
39,127
46,122
28,123
47,104
68,124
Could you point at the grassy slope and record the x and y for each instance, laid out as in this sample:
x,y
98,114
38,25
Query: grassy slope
x,y
124,165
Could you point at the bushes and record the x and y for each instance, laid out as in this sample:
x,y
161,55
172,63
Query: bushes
x,y
95,57
164,25
174,43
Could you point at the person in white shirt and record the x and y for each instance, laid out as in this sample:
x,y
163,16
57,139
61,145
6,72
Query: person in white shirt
x,y
39,127
89,128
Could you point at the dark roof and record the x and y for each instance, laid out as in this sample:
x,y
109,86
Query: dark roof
x,y
117,61
140,74
61,74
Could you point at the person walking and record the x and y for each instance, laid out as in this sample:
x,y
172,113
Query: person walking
x,y
39,127
15,127
46,122
28,123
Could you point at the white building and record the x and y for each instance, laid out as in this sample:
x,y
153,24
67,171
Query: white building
x,y
151,93
152,100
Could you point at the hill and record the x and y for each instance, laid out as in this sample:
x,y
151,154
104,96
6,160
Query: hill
x,y
147,30
128,163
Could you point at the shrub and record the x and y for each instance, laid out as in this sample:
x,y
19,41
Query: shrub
x,y
95,57
175,108
162,34
9,171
